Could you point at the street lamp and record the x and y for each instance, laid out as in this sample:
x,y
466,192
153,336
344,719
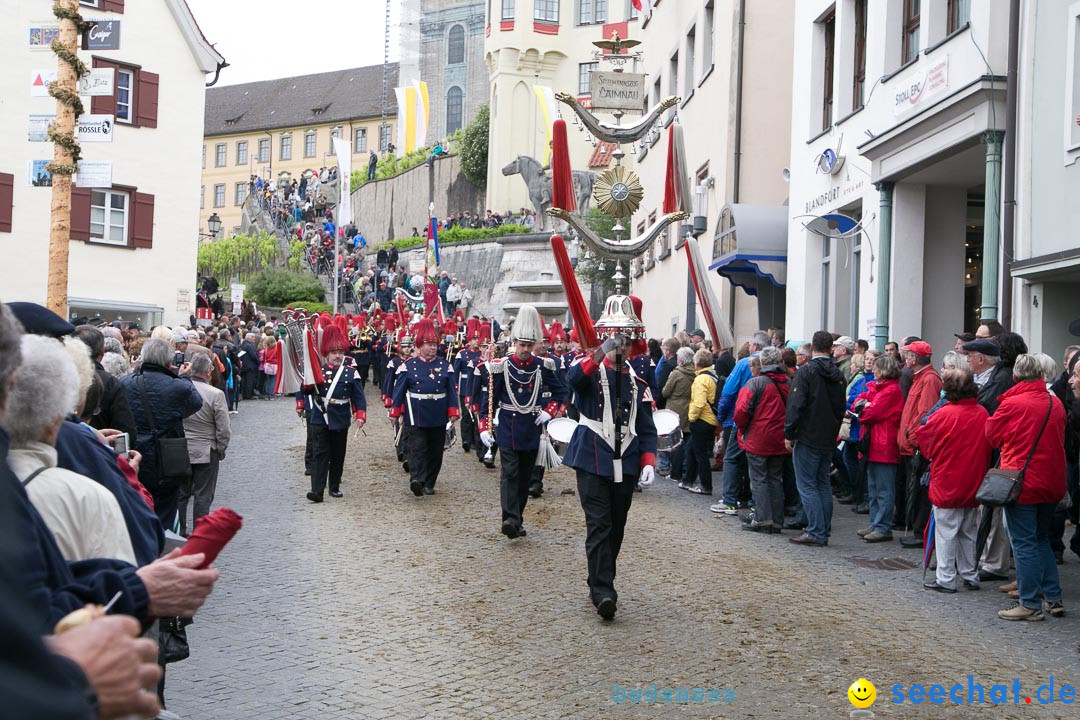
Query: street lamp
x,y
700,202
213,224
575,249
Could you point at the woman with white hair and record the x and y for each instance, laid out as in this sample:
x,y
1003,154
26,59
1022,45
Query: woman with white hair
x,y
84,517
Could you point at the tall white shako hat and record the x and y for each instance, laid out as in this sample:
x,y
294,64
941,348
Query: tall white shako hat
x,y
527,326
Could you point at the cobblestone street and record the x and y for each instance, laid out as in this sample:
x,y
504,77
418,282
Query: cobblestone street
x,y
384,605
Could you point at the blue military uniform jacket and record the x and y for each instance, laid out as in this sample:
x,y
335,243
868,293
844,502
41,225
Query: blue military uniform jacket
x,y
587,450
347,401
465,365
425,393
362,352
518,430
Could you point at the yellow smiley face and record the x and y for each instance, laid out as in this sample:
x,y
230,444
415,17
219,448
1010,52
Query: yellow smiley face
x,y
862,693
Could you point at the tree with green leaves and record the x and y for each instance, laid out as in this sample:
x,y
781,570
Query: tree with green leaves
x,y
474,148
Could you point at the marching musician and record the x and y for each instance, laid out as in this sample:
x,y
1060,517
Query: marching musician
x,y
362,351
464,365
425,397
516,397
404,352
606,482
342,399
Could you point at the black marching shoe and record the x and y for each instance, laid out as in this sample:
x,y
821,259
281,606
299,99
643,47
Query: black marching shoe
x,y
939,588
861,509
510,530
429,490
465,447
606,608
405,466
987,576
314,497
521,532
536,491
417,488
335,493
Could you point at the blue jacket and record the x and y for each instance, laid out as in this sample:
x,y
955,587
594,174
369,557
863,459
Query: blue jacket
x,y
857,388
347,401
587,451
740,375
79,450
517,430
54,587
172,399
464,365
390,376
425,394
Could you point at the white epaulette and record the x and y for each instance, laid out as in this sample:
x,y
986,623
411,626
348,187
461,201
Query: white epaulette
x,y
401,368
549,363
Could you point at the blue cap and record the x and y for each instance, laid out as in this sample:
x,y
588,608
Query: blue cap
x,y
984,346
40,320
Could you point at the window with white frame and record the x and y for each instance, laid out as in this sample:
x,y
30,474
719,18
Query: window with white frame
x,y
241,152
592,11
204,157
1072,86
583,76
546,10
264,150
286,146
219,155
507,9
707,30
384,137
125,95
959,15
309,143
202,197
109,216
239,191
360,140
219,195
691,42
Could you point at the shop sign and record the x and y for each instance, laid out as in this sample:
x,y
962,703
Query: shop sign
x,y
617,91
919,87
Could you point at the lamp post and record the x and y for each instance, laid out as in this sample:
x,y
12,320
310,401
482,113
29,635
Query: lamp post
x,y
213,224
575,251
700,201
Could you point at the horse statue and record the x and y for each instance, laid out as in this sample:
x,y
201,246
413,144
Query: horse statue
x,y
538,182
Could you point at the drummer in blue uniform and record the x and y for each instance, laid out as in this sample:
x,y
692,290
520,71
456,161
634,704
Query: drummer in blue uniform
x,y
609,457
340,402
464,365
525,393
425,397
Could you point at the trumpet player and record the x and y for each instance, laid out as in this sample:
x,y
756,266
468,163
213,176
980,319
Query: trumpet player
x,y
513,413
340,399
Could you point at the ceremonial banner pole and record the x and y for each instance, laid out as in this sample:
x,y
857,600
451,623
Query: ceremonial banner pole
x,y
343,150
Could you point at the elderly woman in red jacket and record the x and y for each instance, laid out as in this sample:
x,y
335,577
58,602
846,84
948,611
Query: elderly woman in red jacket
x,y
879,410
954,440
1030,417
760,411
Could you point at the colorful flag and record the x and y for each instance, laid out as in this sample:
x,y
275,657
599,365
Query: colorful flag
x,y
545,96
644,7
412,113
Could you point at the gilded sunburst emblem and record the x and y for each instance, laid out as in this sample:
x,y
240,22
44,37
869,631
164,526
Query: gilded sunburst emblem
x,y
618,192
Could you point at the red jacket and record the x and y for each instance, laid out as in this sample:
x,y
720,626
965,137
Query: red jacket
x,y
1013,428
882,419
760,411
924,393
954,439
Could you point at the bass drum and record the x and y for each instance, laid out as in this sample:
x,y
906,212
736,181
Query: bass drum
x,y
668,433
560,430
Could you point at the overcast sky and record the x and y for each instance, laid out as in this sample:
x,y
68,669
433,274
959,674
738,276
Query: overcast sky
x,y
280,38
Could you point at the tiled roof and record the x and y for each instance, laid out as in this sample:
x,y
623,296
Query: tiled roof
x,y
601,156
336,96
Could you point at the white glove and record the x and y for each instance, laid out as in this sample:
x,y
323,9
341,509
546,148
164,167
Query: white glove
x,y
542,418
648,474
487,439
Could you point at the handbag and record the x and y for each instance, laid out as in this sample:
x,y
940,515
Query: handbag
x,y
1002,487
172,639
173,461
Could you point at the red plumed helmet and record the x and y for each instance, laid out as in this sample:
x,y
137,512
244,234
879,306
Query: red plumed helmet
x,y
472,328
332,339
485,331
556,331
449,328
424,331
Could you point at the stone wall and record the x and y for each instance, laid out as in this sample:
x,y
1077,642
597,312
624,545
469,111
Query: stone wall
x,y
391,208
497,269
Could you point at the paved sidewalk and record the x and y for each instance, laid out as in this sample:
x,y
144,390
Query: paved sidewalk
x,y
383,605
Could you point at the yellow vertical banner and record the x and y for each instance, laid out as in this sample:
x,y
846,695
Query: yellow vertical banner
x,y
422,113
545,96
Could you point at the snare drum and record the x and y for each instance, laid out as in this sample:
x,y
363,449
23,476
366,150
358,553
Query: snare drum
x,y
560,430
668,433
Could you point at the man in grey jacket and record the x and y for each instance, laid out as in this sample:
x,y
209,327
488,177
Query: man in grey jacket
x,y
208,432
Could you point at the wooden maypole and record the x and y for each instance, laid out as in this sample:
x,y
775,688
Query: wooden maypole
x,y
65,147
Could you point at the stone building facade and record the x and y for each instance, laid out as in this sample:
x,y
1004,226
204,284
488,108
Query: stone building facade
x,y
451,61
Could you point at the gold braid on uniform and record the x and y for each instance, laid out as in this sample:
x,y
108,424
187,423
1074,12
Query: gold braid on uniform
x,y
66,96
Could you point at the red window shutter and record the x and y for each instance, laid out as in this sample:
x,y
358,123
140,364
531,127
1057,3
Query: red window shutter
x,y
142,220
106,104
80,214
146,98
116,6
7,198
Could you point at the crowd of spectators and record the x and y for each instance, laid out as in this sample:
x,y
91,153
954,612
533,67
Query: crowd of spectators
x,y
803,427
90,489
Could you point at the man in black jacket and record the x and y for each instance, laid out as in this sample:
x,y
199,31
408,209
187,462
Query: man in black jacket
x,y
249,366
815,409
114,411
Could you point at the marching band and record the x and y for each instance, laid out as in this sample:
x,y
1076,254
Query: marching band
x,y
514,397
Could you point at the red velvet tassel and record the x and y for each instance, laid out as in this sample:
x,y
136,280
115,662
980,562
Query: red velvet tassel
x,y
562,177
583,323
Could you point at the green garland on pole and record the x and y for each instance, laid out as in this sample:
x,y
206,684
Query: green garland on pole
x,y
69,98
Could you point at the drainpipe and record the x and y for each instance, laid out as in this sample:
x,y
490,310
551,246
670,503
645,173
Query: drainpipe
x,y
1008,179
884,269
